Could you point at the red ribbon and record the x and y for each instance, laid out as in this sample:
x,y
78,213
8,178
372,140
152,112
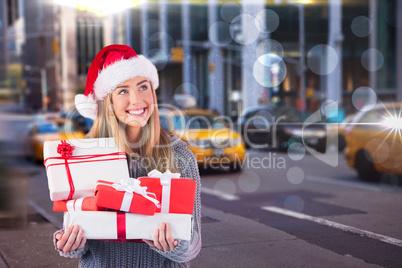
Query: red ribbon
x,y
66,151
121,226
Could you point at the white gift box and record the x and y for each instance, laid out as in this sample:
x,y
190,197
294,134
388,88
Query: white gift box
x,y
74,175
106,225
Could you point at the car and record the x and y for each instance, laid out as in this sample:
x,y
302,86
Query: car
x,y
81,122
207,135
255,125
49,130
374,142
278,128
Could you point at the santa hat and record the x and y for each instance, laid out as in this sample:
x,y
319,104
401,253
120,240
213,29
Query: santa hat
x,y
112,66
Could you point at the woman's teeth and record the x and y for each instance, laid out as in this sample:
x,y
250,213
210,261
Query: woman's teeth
x,y
136,112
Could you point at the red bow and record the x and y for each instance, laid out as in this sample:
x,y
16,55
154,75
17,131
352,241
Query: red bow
x,y
65,149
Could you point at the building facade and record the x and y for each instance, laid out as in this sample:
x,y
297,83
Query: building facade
x,y
227,55
234,55
60,45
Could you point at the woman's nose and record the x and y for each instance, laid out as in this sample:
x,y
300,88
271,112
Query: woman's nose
x,y
133,96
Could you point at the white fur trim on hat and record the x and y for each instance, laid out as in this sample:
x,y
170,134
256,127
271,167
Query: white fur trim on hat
x,y
86,106
122,70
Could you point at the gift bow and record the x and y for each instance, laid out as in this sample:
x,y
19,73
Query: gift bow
x,y
66,151
131,186
165,179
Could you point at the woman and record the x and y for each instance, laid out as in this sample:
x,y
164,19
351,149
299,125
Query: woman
x,y
120,96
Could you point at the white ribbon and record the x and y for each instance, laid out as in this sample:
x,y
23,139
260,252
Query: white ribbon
x,y
70,205
75,204
78,204
130,186
166,180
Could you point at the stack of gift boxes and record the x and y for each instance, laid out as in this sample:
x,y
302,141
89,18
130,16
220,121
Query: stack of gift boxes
x,y
89,180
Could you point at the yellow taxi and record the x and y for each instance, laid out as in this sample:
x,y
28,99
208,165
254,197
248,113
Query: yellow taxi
x,y
49,130
374,141
207,135
341,131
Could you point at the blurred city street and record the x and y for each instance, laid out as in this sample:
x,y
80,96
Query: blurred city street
x,y
247,216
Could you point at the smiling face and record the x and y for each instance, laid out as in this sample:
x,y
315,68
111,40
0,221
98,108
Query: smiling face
x,y
133,102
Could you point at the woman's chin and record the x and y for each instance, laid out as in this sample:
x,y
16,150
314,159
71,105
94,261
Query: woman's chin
x,y
135,123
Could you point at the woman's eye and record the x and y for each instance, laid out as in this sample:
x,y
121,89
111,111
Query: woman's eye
x,y
143,88
123,91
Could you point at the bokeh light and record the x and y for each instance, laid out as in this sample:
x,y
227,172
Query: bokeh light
x,y
188,90
269,46
268,20
219,33
322,59
364,98
159,57
372,53
361,26
380,148
269,70
229,11
295,175
244,29
296,151
249,181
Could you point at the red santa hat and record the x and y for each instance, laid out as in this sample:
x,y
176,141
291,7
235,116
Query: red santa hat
x,y
112,66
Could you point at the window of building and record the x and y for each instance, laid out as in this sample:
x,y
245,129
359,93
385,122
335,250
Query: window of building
x,y
89,42
199,22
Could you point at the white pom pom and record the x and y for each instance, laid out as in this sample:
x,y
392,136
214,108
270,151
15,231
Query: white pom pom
x,y
86,106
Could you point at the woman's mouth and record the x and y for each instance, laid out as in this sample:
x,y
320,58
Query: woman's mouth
x,y
136,112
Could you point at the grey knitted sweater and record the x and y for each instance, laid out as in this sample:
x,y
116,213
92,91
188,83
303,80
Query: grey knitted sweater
x,y
130,254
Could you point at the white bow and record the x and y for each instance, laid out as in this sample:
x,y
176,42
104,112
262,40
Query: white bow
x,y
166,175
131,185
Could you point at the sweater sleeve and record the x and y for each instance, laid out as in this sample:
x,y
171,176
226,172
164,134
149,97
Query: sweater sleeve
x,y
74,254
187,250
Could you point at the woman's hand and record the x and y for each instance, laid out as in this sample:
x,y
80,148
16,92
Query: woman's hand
x,y
71,240
163,239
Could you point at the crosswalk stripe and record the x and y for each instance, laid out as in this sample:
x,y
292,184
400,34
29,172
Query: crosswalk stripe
x,y
383,238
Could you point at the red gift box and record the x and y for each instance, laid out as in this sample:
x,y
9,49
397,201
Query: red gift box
x,y
120,197
80,204
175,194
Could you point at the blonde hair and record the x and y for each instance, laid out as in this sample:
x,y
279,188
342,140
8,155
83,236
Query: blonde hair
x,y
154,145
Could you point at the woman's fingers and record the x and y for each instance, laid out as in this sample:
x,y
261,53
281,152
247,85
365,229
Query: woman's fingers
x,y
77,241
58,236
156,239
82,244
162,237
60,244
71,239
169,237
